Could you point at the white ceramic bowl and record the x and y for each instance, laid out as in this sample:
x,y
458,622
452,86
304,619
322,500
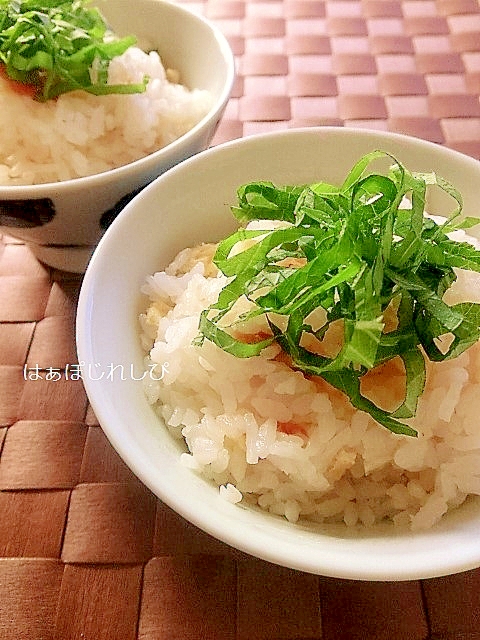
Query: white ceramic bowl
x,y
188,204
201,54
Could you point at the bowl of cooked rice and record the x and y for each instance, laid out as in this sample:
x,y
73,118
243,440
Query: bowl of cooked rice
x,y
279,336
120,92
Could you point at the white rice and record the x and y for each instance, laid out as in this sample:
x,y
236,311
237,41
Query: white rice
x,y
341,466
80,134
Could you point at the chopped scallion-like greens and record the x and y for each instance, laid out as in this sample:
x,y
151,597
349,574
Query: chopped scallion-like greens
x,y
57,46
359,250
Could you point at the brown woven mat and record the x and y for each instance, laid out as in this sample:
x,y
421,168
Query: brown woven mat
x,y
86,552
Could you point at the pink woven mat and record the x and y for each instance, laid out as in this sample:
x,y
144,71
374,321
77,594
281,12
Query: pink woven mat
x,y
86,551
411,67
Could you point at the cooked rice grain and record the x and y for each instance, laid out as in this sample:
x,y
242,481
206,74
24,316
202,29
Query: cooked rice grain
x,y
292,446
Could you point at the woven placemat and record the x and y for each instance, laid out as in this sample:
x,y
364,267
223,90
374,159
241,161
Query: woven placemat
x,y
411,67
86,551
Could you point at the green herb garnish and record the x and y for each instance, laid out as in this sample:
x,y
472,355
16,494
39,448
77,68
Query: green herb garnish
x,y
360,248
58,46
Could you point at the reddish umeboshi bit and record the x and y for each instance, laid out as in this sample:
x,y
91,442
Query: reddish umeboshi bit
x,y
252,338
291,428
16,86
284,358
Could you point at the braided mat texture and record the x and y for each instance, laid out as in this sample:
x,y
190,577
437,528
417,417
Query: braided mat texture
x,y
86,551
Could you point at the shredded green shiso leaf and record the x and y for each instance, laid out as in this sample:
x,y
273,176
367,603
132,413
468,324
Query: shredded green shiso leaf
x,y
361,252
58,46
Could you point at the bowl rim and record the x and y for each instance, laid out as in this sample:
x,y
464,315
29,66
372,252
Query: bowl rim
x,y
117,173
332,556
